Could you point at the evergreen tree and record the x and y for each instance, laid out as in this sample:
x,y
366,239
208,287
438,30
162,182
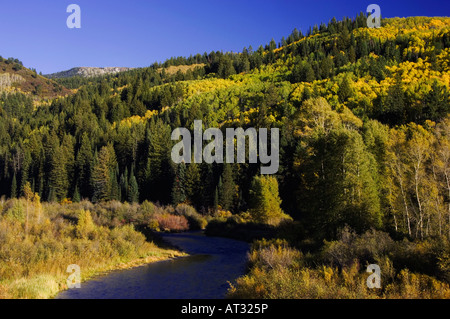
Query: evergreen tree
x,y
101,174
58,178
83,166
178,189
193,184
216,200
14,187
76,198
345,90
227,188
393,111
133,193
124,179
158,169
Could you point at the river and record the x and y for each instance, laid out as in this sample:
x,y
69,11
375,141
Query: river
x,y
213,261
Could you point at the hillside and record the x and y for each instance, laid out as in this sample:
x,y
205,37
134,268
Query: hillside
x,y
86,72
16,78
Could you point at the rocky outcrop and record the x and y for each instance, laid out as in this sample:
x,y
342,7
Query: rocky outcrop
x,y
86,72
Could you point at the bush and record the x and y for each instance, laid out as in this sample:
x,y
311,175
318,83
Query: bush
x,y
85,226
273,254
172,223
15,210
195,220
146,211
366,248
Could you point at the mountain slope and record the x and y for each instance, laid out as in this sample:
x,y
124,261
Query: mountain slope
x,y
14,77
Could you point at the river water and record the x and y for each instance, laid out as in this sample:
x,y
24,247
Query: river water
x,y
213,261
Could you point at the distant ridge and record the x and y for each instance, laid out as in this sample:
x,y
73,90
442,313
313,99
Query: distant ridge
x,y
86,72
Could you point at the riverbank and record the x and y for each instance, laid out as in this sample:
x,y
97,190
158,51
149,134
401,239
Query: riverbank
x,y
38,241
49,285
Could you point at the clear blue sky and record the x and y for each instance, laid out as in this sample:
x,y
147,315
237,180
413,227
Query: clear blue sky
x,y
136,33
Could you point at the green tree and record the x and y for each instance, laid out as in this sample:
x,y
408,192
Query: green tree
x,y
58,179
227,188
193,184
83,166
14,187
178,189
345,90
265,202
76,198
133,193
101,173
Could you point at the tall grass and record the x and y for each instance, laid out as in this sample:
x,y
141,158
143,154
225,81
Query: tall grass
x,y
338,270
38,242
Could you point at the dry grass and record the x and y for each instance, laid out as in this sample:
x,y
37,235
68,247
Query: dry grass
x,y
281,272
36,251
173,69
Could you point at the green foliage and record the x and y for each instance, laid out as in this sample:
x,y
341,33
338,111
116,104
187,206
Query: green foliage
x,y
265,200
14,187
85,226
133,194
102,179
178,189
227,188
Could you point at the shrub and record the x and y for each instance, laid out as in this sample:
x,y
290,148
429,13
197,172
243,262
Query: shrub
x,y
168,222
366,248
146,211
85,226
15,210
195,220
272,254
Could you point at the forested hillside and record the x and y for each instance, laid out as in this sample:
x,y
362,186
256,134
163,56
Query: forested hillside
x,y
362,112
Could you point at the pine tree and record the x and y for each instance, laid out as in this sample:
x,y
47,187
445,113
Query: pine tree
x,y
345,90
216,200
58,178
193,184
133,193
178,189
83,166
101,174
14,187
124,184
394,104
158,169
227,188
115,187
76,198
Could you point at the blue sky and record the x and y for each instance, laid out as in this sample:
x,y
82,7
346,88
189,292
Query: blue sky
x,y
136,33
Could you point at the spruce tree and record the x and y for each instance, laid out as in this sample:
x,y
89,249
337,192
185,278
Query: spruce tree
x,y
178,189
193,184
227,188
83,166
101,174
58,178
76,198
14,187
133,193
216,200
